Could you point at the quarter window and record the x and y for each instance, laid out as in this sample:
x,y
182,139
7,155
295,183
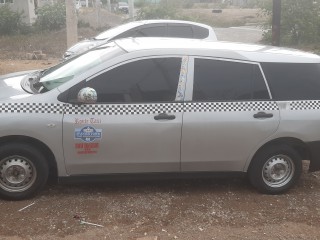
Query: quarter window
x,y
148,80
216,80
293,81
200,32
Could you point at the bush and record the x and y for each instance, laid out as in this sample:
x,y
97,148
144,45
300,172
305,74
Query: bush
x,y
10,21
51,17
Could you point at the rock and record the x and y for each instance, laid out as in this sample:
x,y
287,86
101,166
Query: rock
x,y
148,238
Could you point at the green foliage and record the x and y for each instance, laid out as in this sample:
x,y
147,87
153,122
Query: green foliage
x,y
51,17
163,10
10,21
300,21
187,3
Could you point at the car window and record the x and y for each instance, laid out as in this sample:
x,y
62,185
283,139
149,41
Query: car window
x,y
293,81
67,70
147,80
216,80
127,34
152,31
180,30
200,32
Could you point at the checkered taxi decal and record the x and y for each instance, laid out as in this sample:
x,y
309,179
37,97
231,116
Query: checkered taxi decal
x,y
123,109
305,105
31,108
135,109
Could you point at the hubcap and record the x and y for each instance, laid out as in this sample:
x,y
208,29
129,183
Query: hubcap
x,y
17,174
278,171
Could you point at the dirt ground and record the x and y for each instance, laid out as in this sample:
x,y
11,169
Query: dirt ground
x,y
168,209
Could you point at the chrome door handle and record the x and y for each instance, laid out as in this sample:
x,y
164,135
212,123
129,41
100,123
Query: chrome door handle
x,y
263,115
164,116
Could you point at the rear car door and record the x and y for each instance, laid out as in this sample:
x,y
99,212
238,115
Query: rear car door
x,y
135,125
228,113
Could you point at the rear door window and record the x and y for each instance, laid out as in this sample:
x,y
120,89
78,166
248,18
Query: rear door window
x,y
180,30
154,30
216,80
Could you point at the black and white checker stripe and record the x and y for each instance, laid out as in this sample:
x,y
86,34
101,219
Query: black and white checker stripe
x,y
45,108
305,105
123,109
230,106
138,109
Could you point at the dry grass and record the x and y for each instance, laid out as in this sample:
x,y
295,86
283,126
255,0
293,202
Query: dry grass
x,y
228,18
51,43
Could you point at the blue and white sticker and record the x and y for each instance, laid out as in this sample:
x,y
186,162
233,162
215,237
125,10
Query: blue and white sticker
x,y
87,133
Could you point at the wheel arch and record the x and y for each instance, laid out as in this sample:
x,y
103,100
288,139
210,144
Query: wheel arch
x,y
42,147
297,144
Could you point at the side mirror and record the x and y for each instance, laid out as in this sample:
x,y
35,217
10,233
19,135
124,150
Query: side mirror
x,y
87,95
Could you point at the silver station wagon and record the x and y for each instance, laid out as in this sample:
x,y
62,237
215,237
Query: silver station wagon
x,y
144,106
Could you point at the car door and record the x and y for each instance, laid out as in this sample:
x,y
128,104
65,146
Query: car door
x,y
135,125
228,113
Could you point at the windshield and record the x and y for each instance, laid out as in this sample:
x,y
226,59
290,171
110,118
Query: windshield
x,y
65,71
117,30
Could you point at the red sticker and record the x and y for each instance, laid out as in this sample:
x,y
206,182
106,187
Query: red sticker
x,y
87,148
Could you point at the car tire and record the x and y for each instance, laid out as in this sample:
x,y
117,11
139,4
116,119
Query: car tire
x,y
275,169
23,171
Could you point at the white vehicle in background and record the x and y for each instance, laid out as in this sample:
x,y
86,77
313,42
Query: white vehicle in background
x,y
123,7
146,28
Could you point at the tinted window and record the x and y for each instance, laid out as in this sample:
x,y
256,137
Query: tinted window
x,y
293,81
149,80
180,31
126,34
227,81
200,32
155,31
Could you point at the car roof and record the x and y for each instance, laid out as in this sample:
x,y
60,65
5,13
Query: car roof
x,y
218,49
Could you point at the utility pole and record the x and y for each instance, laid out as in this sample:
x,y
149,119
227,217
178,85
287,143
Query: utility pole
x,y
131,9
109,5
71,22
97,9
276,22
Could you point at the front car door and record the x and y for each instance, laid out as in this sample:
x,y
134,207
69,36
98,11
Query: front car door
x,y
135,125
228,113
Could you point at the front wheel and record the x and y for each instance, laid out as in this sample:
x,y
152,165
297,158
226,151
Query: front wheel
x,y
23,171
275,169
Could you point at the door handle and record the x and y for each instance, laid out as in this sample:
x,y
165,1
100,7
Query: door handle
x,y
164,116
263,115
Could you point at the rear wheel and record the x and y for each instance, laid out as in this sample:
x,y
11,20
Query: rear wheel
x,y
275,169
23,171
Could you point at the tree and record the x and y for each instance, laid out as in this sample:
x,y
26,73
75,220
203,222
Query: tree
x,y
51,17
10,21
300,21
